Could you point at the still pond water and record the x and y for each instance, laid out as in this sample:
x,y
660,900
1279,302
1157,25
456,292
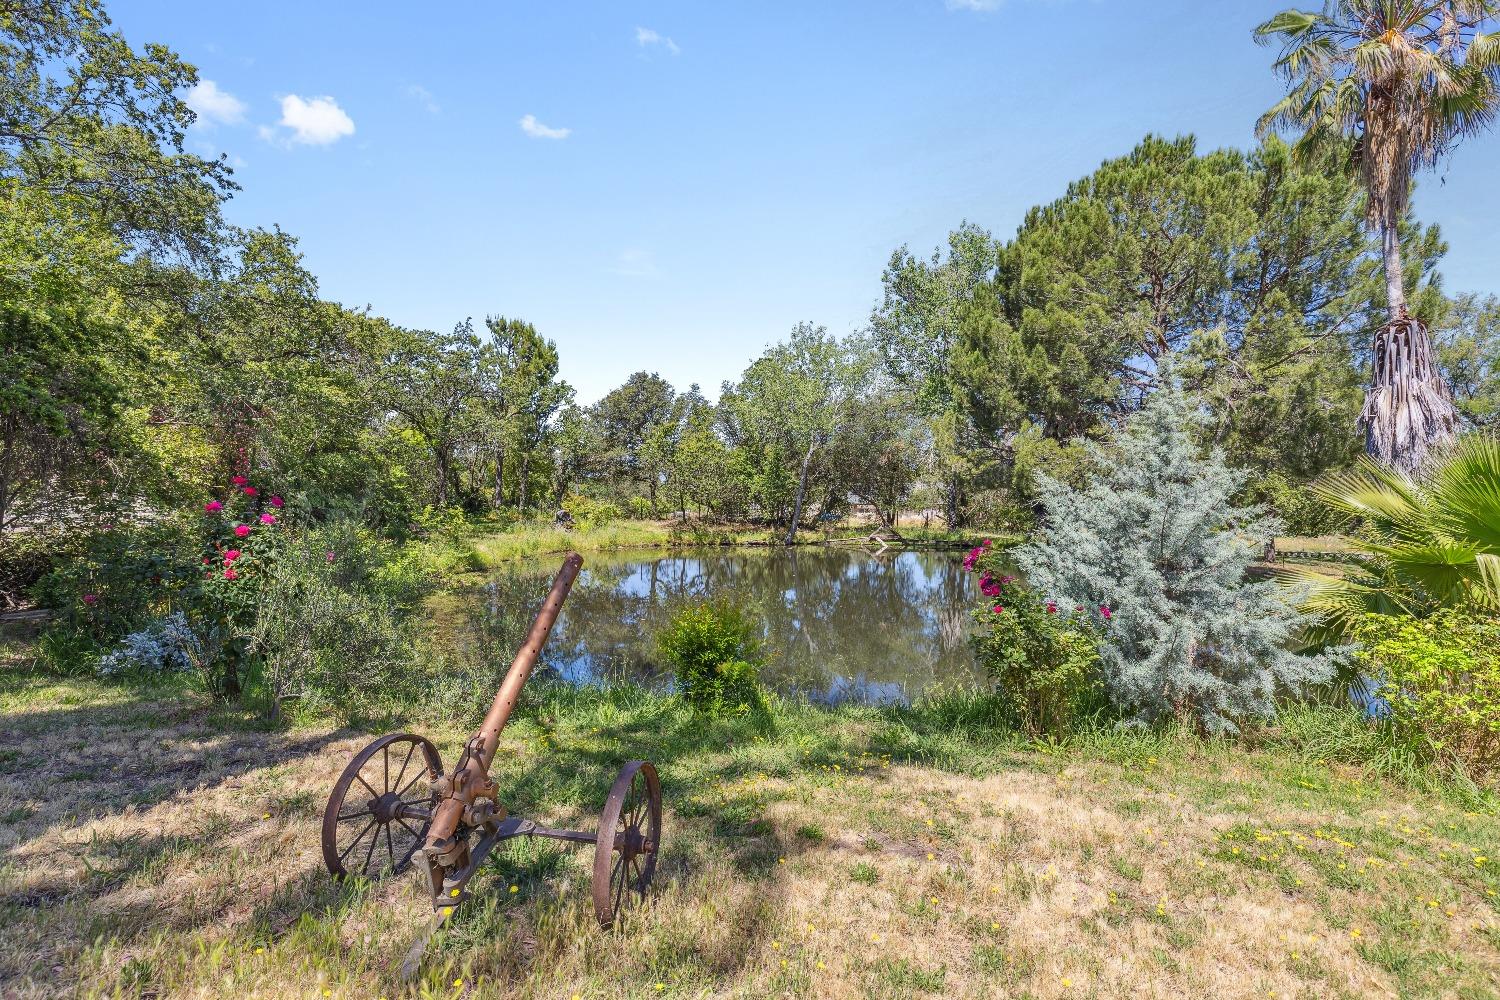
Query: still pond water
x,y
841,624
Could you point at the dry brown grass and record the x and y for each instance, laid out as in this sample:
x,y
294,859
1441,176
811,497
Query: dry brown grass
x,y
160,849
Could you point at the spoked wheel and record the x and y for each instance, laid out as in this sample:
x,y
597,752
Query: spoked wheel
x,y
629,838
380,808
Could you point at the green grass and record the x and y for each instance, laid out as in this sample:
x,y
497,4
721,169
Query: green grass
x,y
487,546
852,852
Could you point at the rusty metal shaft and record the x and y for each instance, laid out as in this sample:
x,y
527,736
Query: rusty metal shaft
x,y
468,781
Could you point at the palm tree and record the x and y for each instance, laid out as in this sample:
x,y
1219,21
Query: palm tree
x,y
1390,87
1424,544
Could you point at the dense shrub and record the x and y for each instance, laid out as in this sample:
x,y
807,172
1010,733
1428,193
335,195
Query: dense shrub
x,y
1440,678
330,630
713,648
591,513
1154,544
997,510
1301,511
120,579
1045,658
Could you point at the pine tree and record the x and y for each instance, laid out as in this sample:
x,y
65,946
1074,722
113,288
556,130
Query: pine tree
x,y
1157,550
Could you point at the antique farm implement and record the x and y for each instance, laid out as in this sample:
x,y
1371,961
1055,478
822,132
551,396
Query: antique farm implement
x,y
394,806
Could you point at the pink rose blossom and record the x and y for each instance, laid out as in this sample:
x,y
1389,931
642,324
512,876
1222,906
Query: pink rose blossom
x,y
330,555
986,543
231,555
1051,607
276,502
239,480
250,491
213,506
267,519
91,599
1104,610
999,609
230,574
241,530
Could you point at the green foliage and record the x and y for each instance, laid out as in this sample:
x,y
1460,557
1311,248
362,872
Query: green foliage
x,y
1440,677
712,647
333,635
1156,552
1429,543
1045,658
1299,508
592,513
1468,346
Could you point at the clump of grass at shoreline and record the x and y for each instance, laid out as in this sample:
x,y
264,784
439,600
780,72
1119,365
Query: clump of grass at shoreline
x,y
487,548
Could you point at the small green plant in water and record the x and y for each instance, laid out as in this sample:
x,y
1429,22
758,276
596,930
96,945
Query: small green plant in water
x,y
714,649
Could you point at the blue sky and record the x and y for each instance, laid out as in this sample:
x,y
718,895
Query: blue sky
x,y
670,186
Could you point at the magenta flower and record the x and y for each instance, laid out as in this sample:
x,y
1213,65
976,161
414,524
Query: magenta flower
x,y
250,491
1051,607
985,544
972,558
276,502
999,609
267,519
212,507
241,530
230,574
239,480
231,555
1104,610
91,599
330,555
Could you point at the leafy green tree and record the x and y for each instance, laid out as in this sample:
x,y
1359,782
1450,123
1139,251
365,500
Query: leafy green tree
x,y
1468,346
1254,270
793,400
431,382
1386,88
99,128
521,393
917,330
627,418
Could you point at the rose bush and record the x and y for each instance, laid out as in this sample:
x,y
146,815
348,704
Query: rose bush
x,y
1045,659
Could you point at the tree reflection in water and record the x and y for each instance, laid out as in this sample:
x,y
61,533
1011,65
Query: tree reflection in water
x,y
840,624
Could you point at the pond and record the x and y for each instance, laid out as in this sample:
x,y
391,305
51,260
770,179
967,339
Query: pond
x,y
841,624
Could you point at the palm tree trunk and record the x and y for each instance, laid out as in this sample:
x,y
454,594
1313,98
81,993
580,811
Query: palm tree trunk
x,y
1408,408
1395,281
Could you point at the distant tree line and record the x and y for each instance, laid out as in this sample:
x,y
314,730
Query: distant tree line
x,y
151,349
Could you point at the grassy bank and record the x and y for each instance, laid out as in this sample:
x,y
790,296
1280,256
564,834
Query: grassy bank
x,y
157,846
486,548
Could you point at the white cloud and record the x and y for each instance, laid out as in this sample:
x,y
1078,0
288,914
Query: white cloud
x,y
424,97
211,104
537,130
980,5
645,38
636,263
314,121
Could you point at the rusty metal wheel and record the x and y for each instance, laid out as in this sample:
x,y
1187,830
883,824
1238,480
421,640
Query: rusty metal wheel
x,y
380,808
628,841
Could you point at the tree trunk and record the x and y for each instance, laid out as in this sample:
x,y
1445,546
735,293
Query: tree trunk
x,y
521,485
498,499
440,457
791,531
1408,408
